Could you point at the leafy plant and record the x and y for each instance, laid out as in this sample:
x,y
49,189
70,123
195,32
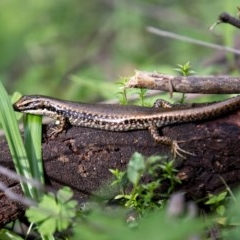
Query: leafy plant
x,y
142,96
108,224
122,94
217,202
231,227
185,69
141,196
27,158
54,213
169,173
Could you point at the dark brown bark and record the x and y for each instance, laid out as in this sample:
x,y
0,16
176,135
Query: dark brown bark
x,y
81,158
9,210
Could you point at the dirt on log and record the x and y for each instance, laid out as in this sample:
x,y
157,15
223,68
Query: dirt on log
x,y
81,158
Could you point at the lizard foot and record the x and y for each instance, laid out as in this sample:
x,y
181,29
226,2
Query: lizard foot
x,y
177,151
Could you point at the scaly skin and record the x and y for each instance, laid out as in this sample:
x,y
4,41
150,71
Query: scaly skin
x,y
124,118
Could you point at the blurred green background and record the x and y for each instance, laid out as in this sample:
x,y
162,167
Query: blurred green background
x,y
79,49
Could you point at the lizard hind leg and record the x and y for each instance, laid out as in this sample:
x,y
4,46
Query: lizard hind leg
x,y
163,104
160,103
176,150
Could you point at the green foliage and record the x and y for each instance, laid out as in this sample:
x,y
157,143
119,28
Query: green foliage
x,y
141,196
136,168
45,46
18,152
120,180
169,173
109,224
232,222
142,96
185,69
217,202
9,235
28,162
122,94
26,157
53,213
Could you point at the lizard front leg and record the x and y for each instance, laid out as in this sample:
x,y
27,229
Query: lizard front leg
x,y
61,125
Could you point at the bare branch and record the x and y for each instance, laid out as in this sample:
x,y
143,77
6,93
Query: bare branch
x,y
227,18
190,84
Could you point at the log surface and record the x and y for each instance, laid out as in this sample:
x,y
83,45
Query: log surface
x,y
81,158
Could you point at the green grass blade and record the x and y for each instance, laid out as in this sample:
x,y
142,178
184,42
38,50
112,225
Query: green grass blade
x,y
14,139
32,137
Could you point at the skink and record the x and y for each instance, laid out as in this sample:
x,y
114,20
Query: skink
x,y
124,118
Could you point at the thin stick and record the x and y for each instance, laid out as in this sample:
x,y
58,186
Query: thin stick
x,y
163,33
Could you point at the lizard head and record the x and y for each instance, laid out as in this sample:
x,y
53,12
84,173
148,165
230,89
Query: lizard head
x,y
34,104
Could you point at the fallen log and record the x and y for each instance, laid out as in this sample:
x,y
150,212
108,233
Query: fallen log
x,y
81,158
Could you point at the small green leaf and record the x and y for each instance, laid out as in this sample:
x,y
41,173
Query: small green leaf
x,y
64,194
135,168
215,199
221,210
